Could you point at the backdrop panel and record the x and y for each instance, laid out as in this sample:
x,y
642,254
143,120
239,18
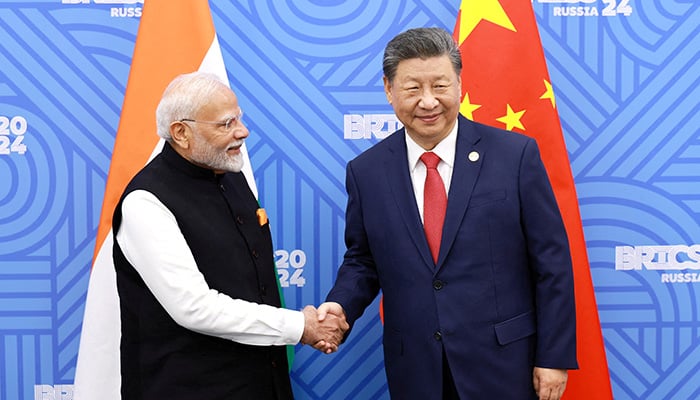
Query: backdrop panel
x,y
308,74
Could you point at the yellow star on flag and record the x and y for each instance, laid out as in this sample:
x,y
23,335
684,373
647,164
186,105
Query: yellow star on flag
x,y
474,11
548,93
512,119
467,108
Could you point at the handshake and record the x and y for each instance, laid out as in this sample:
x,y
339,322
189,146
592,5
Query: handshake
x,y
325,327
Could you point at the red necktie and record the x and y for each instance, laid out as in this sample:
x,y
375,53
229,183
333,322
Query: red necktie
x,y
434,203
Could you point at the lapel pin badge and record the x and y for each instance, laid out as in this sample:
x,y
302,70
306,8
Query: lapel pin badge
x,y
473,156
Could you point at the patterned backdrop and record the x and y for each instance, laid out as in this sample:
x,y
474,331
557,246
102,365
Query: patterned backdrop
x,y
308,75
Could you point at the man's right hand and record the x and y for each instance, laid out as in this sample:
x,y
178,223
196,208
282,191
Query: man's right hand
x,y
324,331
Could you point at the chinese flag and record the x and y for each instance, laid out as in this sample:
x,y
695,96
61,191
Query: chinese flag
x,y
174,37
505,84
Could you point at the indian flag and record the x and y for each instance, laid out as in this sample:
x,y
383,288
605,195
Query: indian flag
x,y
174,37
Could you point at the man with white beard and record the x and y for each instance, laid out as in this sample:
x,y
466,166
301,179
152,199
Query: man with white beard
x,y
200,306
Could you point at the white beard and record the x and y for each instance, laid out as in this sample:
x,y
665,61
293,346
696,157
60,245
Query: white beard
x,y
204,154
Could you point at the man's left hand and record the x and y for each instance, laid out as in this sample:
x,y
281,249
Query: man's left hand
x,y
549,383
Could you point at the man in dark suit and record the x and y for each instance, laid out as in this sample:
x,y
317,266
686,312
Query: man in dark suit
x,y
478,292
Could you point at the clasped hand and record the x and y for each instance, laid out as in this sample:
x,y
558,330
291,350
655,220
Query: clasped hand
x,y
325,327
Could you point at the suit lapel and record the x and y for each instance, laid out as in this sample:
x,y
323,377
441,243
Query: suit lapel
x,y
399,178
464,176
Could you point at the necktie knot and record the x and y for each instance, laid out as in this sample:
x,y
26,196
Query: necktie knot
x,y
430,159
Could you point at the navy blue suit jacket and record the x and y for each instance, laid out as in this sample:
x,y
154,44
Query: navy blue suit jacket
x,y
500,299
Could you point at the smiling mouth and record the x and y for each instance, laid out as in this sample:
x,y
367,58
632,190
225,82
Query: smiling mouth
x,y
429,118
235,147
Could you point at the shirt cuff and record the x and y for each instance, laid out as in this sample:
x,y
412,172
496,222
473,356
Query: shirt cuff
x,y
294,322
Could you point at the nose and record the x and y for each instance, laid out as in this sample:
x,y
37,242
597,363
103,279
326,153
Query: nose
x,y
428,100
240,131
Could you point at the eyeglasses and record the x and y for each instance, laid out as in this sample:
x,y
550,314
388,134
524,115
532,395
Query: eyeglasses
x,y
227,124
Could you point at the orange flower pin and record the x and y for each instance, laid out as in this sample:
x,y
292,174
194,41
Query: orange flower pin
x,y
262,216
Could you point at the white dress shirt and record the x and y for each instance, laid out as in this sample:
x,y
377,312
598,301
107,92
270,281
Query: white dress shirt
x,y
445,150
152,242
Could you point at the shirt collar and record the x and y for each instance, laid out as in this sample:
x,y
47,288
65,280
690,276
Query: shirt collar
x,y
445,149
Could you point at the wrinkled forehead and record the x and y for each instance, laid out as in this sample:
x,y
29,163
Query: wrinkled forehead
x,y
431,68
221,103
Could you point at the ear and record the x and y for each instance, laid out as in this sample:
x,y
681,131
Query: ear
x,y
387,89
180,134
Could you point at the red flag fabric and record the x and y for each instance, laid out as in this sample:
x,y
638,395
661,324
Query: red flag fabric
x,y
173,38
505,84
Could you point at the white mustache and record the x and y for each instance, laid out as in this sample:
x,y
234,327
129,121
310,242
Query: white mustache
x,y
235,144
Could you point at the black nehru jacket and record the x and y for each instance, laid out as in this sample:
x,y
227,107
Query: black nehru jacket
x,y
217,216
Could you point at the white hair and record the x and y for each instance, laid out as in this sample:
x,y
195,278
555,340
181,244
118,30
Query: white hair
x,y
184,97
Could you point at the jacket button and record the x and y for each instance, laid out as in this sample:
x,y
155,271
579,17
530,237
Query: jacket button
x,y
437,336
239,219
255,253
437,285
274,364
222,187
263,290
